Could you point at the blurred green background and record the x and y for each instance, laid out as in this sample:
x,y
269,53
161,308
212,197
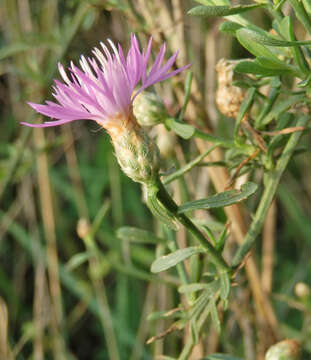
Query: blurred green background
x,y
65,295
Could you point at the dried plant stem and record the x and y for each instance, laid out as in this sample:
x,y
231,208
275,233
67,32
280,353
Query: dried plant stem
x,y
243,320
97,282
178,15
101,294
220,179
143,324
5,352
268,243
273,179
74,172
210,74
51,248
39,302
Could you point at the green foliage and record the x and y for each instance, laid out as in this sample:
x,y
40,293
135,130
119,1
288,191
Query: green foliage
x,y
185,131
226,198
84,263
221,357
138,235
165,262
208,11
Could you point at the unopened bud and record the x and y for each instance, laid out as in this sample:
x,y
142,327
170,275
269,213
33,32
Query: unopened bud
x,y
149,109
284,350
83,228
136,152
302,290
228,97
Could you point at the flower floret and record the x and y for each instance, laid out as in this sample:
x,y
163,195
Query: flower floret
x,y
103,89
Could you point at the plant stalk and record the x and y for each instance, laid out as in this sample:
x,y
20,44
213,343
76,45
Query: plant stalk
x,y
273,180
170,204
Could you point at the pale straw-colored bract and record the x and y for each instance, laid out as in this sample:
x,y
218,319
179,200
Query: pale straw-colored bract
x,y
104,89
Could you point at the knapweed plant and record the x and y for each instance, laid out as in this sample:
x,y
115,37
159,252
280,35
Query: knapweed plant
x,y
206,247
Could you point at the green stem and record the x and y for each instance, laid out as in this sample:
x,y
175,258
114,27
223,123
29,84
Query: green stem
x,y
172,207
245,148
272,183
188,167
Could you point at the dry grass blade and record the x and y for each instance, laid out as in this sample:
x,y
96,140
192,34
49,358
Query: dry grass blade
x,y
5,352
289,130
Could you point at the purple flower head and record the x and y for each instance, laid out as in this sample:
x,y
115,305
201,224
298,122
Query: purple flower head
x,y
103,89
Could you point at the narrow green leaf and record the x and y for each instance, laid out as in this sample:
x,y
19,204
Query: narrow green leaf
x,y
185,131
194,331
264,38
219,11
281,107
211,287
229,27
253,67
253,45
225,198
214,316
270,64
244,108
138,235
13,49
165,262
77,260
117,4
305,83
28,44
196,268
307,6
236,18
224,286
200,304
221,357
220,242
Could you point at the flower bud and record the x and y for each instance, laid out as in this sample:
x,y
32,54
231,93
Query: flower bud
x,y
302,290
83,228
284,350
149,109
228,97
137,154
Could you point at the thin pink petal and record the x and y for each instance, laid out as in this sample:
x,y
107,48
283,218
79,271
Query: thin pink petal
x,y
104,87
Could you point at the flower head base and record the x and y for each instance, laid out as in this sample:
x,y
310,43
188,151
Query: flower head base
x,y
103,91
137,154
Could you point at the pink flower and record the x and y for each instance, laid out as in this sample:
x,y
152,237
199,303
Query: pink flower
x,y
103,90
